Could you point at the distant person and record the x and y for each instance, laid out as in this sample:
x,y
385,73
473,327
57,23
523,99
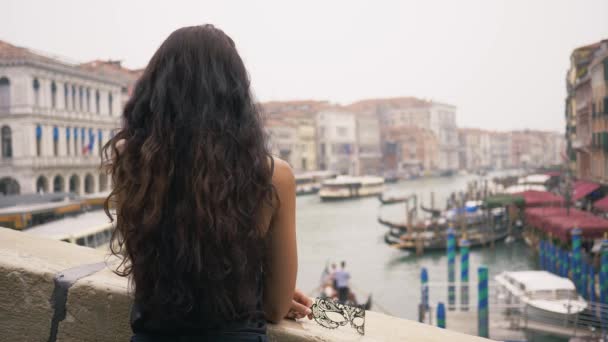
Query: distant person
x,y
332,275
342,277
205,216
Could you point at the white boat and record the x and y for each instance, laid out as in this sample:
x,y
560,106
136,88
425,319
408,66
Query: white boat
x,y
546,296
344,187
310,182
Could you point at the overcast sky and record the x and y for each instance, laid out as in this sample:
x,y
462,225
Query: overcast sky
x,y
502,63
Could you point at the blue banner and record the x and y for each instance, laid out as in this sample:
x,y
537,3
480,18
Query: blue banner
x,y
38,132
55,133
67,133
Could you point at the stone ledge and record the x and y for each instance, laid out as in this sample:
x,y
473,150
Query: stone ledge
x,y
97,305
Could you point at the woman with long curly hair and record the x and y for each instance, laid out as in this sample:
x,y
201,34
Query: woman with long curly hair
x,y
205,217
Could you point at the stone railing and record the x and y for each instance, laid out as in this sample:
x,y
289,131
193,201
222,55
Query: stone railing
x,y
55,291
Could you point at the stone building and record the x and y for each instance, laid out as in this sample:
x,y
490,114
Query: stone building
x,y
475,149
500,150
410,150
283,140
337,140
436,117
54,118
598,99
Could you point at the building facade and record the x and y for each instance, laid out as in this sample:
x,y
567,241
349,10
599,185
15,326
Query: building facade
x,y
54,118
586,125
368,146
337,141
475,149
411,151
283,140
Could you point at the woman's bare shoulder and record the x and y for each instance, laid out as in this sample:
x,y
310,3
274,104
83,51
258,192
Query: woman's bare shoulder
x,y
282,175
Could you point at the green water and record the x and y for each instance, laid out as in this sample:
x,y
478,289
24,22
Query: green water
x,y
348,230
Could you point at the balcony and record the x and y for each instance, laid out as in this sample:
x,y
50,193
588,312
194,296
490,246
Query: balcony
x,y
51,162
56,291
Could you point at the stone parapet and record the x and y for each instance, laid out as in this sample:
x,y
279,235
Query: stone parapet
x,y
55,291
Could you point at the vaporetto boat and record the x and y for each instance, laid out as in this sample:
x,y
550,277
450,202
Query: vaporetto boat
x,y
344,187
546,296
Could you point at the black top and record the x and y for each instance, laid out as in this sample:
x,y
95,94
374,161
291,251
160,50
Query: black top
x,y
255,323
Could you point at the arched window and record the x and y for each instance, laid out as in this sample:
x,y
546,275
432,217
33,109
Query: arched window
x,y
55,141
53,95
76,141
38,140
110,102
9,186
66,96
89,184
88,100
7,142
58,185
81,98
36,87
75,184
42,185
5,93
67,140
97,104
73,97
99,141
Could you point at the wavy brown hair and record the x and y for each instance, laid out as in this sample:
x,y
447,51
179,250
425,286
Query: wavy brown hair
x,y
190,180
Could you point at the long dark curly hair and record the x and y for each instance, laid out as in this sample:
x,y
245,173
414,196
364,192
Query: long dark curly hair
x,y
191,172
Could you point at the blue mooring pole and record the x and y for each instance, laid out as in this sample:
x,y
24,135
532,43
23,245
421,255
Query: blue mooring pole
x,y
451,250
604,282
576,258
591,282
464,273
424,294
584,277
482,303
441,315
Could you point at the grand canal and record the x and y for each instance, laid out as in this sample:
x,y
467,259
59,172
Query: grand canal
x,y
348,230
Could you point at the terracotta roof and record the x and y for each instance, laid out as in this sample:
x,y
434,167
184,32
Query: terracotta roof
x,y
10,51
392,102
113,67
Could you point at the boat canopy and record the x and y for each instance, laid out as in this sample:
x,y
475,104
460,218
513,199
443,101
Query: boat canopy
x,y
559,222
539,179
534,281
524,187
534,198
498,201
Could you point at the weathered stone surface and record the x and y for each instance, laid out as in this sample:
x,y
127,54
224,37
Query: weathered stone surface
x,y
97,306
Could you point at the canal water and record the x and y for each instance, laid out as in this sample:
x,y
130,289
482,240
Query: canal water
x,y
348,230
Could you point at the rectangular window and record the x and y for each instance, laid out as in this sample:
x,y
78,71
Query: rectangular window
x,y
75,146
55,147
38,147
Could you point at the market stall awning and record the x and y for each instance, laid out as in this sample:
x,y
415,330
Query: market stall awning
x,y
535,198
601,204
559,222
582,189
499,201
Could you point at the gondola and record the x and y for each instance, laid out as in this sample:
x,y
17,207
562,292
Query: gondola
x,y
352,298
391,200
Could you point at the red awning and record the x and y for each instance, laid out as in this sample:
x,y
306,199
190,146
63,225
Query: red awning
x,y
601,204
535,198
582,189
559,222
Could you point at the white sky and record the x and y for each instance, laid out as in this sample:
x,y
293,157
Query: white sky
x,y
502,63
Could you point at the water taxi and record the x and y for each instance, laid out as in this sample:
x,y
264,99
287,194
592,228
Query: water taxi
x,y
310,182
544,295
344,187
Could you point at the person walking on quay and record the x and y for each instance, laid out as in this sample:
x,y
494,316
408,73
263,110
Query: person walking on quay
x,y
342,277
205,217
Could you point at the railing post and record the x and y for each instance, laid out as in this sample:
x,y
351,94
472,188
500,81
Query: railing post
x,y
424,293
576,257
482,303
464,273
451,251
441,315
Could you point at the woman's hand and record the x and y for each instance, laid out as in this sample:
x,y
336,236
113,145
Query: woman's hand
x,y
300,306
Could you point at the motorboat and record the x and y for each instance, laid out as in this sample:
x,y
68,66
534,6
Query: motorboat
x,y
545,296
345,187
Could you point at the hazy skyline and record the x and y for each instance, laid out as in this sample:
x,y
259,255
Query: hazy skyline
x,y
502,63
